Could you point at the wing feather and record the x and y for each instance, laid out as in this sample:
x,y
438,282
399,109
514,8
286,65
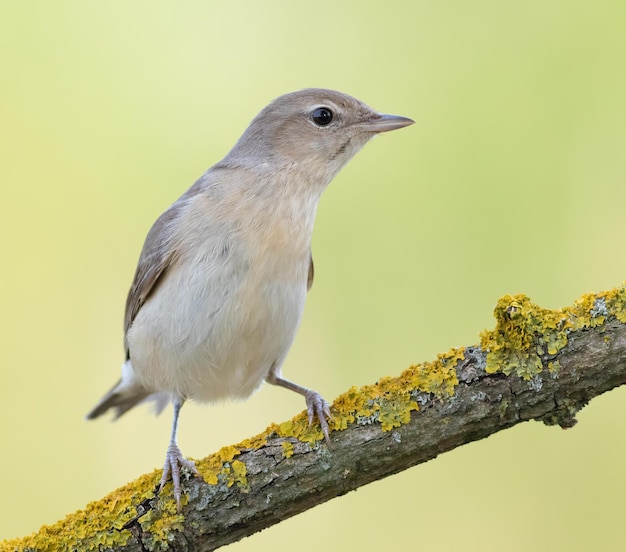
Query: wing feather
x,y
309,281
158,253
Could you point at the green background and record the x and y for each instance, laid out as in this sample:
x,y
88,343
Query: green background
x,y
513,179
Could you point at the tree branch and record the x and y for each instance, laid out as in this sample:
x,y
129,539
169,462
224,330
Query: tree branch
x,y
537,364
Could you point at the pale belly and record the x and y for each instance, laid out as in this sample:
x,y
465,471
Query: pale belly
x,y
210,334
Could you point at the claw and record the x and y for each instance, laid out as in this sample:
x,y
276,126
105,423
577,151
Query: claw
x,y
318,408
174,463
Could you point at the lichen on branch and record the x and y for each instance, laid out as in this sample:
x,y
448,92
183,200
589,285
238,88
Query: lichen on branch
x,y
536,364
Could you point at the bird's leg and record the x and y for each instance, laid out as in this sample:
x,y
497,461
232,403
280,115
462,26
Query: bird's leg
x,y
174,459
316,406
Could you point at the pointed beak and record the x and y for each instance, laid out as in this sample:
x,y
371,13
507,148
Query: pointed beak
x,y
383,123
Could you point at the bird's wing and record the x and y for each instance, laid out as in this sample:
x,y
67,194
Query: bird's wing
x,y
309,281
158,253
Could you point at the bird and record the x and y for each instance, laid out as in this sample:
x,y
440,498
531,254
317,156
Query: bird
x,y
220,285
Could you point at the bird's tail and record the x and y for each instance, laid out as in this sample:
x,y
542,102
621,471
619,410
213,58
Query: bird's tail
x,y
126,394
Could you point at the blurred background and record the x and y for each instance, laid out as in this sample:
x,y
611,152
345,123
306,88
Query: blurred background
x,y
513,179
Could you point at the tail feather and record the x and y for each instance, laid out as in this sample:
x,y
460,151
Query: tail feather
x,y
120,398
126,394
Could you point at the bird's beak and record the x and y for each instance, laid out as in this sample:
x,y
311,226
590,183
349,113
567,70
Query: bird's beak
x,y
383,123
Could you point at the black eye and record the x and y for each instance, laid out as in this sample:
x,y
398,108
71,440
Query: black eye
x,y
322,116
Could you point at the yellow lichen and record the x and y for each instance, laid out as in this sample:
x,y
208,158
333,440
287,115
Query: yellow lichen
x,y
526,333
524,336
390,401
554,367
217,464
238,475
256,442
616,302
395,412
437,377
95,527
162,522
287,449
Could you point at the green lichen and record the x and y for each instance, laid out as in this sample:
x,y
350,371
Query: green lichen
x,y
504,404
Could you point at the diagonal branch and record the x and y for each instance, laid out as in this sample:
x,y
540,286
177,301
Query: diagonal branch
x,y
537,364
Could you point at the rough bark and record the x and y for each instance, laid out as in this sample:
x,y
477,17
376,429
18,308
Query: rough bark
x,y
278,484
483,404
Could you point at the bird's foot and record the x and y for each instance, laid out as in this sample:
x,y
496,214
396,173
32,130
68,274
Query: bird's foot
x,y
318,408
174,463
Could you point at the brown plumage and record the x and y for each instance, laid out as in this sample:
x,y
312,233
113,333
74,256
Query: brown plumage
x,y
221,281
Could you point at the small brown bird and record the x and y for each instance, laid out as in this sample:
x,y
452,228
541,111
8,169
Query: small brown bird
x,y
222,278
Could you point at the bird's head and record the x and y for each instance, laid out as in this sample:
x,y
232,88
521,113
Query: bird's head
x,y
315,131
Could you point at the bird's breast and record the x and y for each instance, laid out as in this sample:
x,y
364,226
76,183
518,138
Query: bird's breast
x,y
224,314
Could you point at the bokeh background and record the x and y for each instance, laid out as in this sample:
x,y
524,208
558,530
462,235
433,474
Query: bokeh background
x,y
513,179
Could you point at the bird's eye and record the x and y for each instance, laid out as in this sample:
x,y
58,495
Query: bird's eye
x,y
322,116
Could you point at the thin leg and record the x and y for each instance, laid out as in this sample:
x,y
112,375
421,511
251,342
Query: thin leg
x,y
316,406
174,459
